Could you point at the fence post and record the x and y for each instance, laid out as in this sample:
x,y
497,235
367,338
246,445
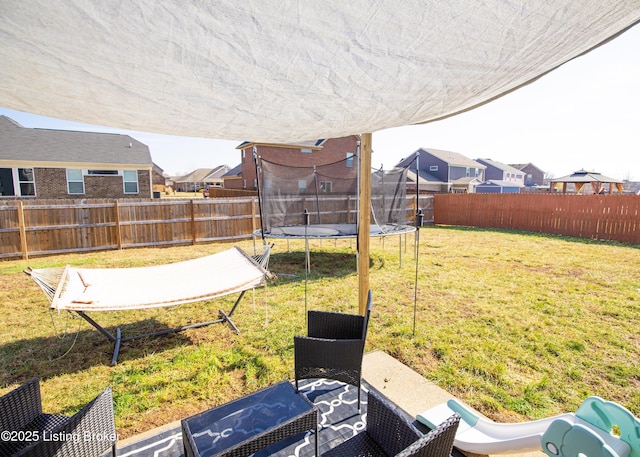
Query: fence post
x,y
118,228
23,232
193,222
253,215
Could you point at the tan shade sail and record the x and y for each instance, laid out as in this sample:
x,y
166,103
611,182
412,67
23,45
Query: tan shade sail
x,y
284,71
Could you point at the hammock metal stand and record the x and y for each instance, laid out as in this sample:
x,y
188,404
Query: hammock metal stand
x,y
253,273
117,339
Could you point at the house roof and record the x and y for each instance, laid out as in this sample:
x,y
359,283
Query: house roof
x,y
453,159
583,176
235,171
500,166
198,175
522,166
465,180
217,173
501,183
46,146
424,177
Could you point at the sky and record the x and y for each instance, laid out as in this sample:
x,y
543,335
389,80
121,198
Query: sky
x,y
583,115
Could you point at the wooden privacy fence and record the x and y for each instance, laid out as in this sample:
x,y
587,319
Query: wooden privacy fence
x,y
603,217
45,227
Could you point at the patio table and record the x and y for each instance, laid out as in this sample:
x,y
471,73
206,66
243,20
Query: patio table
x,y
249,424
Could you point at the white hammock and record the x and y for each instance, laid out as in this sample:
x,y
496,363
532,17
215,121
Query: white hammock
x,y
118,289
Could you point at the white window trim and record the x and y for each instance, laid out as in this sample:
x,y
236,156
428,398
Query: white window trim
x,y
351,157
15,181
433,168
124,182
82,174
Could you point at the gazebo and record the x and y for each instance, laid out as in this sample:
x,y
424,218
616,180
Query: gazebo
x,y
582,177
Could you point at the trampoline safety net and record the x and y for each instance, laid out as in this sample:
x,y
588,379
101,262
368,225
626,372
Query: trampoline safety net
x,y
330,195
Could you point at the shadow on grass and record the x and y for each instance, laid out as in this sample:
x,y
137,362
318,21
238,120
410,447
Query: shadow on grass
x,y
289,266
47,357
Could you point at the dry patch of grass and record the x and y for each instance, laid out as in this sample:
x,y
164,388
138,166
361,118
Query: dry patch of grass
x,y
520,326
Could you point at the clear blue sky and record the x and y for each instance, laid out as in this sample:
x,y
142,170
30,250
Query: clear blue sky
x,y
586,114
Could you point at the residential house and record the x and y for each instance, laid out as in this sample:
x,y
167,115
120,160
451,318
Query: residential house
x,y
232,179
200,179
47,163
498,186
533,176
446,171
500,178
303,154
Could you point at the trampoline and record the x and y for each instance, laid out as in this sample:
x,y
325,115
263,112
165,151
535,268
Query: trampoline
x,y
321,231
321,201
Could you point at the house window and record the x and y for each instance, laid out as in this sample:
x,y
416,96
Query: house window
x,y
102,172
17,182
468,172
75,182
302,186
130,179
350,156
325,186
255,183
27,182
477,172
306,150
244,155
433,168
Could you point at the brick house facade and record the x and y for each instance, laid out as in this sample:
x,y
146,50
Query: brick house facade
x,y
44,163
306,154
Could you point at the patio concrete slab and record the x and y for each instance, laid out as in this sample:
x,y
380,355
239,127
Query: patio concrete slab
x,y
407,388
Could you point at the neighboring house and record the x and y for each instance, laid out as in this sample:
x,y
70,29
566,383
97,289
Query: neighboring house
x,y
632,187
497,186
533,176
232,179
200,179
451,171
158,176
304,154
428,183
46,163
498,171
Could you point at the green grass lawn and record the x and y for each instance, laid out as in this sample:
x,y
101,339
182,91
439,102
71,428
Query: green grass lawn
x,y
519,326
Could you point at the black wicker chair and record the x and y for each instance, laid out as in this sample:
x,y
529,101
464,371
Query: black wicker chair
x,y
89,432
333,347
390,433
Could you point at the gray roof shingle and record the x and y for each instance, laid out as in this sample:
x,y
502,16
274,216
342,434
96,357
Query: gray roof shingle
x,y
18,143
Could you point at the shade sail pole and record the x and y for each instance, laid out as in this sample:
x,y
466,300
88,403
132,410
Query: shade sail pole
x,y
364,223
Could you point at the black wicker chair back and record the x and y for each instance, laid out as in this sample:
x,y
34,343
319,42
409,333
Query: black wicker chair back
x,y
389,432
89,432
333,347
